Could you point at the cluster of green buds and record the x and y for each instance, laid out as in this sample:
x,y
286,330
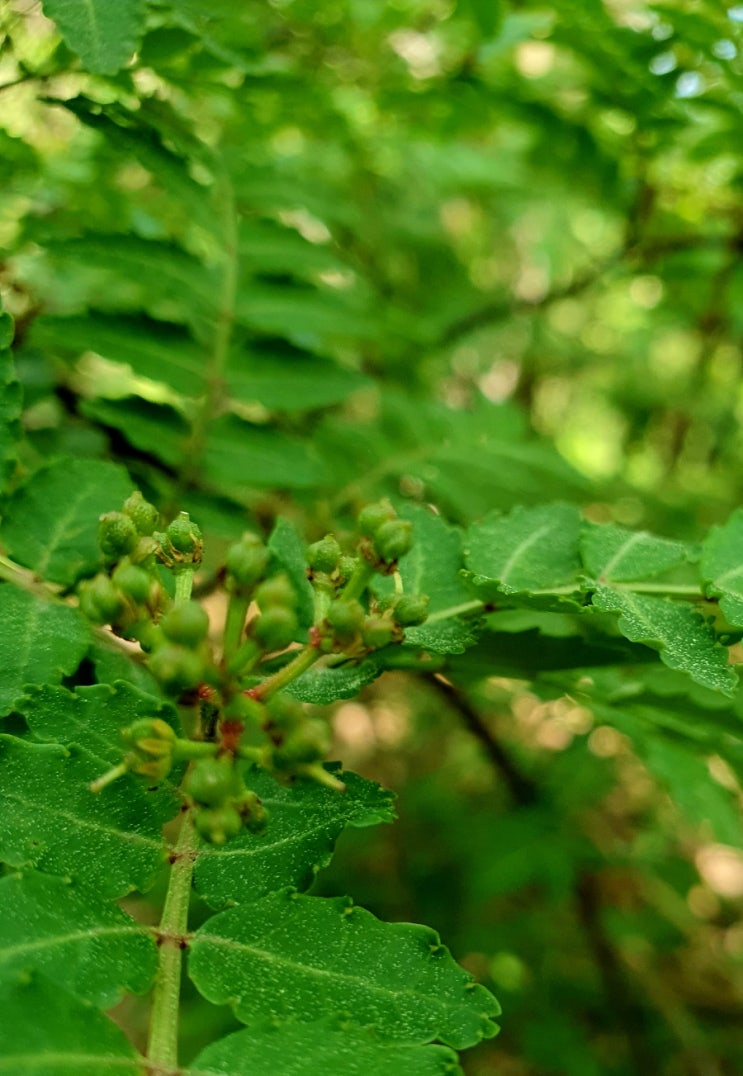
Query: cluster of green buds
x,y
224,805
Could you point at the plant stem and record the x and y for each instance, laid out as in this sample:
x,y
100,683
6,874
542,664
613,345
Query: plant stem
x,y
183,584
162,1046
304,659
23,577
358,582
237,610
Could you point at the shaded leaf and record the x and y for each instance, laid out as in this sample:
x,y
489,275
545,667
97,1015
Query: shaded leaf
x,y
10,402
304,958
87,945
242,457
681,636
110,842
323,684
308,1049
52,521
289,551
304,821
103,35
40,642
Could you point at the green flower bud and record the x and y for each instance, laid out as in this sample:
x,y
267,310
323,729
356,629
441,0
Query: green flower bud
x,y
186,623
151,740
345,569
276,627
246,562
308,744
284,711
394,539
213,781
177,668
373,516
185,539
143,515
323,556
345,618
100,600
218,824
117,535
276,591
252,812
411,610
133,582
377,631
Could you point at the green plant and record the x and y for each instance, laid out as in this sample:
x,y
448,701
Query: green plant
x,y
341,293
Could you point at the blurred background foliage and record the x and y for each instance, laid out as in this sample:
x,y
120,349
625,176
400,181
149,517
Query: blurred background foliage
x,y
474,253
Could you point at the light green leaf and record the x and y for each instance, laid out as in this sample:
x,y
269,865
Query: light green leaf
x,y
288,550
52,522
103,34
323,684
305,821
305,958
528,551
49,818
153,428
40,642
433,567
681,636
47,1031
289,380
242,457
722,566
11,399
87,945
613,554
309,1049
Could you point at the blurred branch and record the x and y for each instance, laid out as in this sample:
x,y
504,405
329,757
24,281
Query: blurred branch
x,y
524,791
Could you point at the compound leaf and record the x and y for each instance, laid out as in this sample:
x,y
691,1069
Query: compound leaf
x,y
722,566
527,551
110,842
40,642
307,1049
89,946
47,1031
305,820
680,635
52,521
303,958
104,35
613,554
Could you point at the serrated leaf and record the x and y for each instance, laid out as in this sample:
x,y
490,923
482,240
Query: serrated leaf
x,y
40,642
104,35
304,958
110,842
680,635
47,1031
51,524
433,567
305,820
288,550
309,1049
722,566
87,945
323,684
613,554
528,551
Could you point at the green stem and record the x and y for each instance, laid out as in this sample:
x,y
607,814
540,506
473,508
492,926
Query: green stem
x,y
183,584
358,582
237,610
162,1046
304,659
22,577
244,659
183,750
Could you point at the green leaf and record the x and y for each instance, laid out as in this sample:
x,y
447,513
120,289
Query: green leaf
x,y
11,399
40,642
722,566
613,554
289,379
88,946
433,567
49,818
52,521
305,820
288,550
309,1049
304,958
241,457
323,684
525,552
681,636
104,35
47,1031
